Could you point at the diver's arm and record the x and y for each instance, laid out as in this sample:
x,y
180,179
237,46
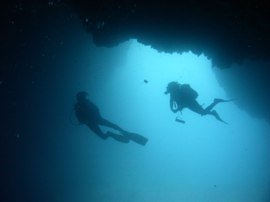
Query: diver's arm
x,y
173,106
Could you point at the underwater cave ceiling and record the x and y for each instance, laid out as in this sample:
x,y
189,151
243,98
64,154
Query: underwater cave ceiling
x,y
227,31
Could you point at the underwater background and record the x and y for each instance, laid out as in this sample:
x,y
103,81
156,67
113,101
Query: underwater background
x,y
51,157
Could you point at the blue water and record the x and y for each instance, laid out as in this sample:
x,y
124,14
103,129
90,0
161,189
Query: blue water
x,y
202,160
48,157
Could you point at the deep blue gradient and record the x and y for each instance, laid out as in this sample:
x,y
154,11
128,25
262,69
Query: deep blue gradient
x,y
48,156
202,160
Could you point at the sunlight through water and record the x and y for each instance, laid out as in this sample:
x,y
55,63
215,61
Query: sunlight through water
x,y
201,160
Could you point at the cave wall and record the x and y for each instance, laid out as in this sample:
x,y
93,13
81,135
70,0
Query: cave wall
x,y
248,84
230,33
226,31
233,34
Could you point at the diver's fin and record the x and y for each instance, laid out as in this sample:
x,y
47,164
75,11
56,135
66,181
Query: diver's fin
x,y
215,114
139,139
119,138
217,100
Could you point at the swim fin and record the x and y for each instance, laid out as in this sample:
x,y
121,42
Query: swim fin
x,y
217,100
119,138
215,114
139,139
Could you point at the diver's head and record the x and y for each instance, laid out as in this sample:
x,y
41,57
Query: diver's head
x,y
172,87
81,96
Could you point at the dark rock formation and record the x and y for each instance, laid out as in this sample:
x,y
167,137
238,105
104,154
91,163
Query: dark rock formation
x,y
227,31
249,84
38,43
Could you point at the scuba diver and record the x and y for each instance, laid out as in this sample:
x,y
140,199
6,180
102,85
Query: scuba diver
x,y
183,96
88,113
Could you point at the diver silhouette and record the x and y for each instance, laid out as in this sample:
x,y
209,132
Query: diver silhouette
x,y
88,113
183,96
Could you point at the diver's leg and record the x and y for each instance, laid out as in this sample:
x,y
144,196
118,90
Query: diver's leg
x,y
197,108
126,137
107,123
120,138
95,128
211,106
216,115
215,102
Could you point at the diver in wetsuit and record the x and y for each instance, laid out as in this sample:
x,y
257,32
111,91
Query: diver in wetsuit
x,y
88,113
183,96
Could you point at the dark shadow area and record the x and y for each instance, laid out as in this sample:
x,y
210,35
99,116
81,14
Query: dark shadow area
x,y
226,31
42,44
248,83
